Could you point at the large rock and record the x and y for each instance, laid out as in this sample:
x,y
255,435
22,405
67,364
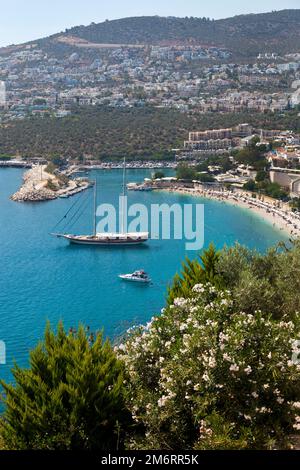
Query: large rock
x,y
33,195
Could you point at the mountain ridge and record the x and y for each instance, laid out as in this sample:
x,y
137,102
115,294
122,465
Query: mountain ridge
x,y
245,35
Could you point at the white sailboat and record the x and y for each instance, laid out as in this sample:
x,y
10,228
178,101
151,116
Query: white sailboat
x,y
108,239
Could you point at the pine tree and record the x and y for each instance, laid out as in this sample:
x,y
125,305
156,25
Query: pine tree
x,y
200,270
71,397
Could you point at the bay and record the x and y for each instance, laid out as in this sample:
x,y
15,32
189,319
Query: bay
x,y
45,279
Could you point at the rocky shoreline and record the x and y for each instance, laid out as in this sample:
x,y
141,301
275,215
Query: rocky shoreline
x,y
39,185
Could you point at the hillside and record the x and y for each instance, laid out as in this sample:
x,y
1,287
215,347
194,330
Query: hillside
x,y
244,35
107,133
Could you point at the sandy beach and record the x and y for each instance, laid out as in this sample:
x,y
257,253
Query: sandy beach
x,y
276,213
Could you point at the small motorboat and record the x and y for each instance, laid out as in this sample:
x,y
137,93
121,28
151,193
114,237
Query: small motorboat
x,y
137,276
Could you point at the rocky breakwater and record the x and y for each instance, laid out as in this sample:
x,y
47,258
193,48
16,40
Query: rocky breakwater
x,y
40,185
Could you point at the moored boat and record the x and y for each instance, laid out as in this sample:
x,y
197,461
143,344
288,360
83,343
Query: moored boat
x,y
121,238
106,239
136,276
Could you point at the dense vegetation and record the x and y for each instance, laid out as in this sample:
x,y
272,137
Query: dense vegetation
x,y
188,173
268,188
245,35
104,133
218,369
70,398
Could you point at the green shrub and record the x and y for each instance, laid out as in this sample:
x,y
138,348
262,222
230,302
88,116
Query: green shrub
x,y
51,185
71,396
269,282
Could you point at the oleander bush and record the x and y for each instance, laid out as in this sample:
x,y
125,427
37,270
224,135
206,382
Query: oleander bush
x,y
203,375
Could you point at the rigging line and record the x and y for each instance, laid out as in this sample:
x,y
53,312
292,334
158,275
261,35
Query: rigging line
x,y
67,213
77,211
83,210
83,202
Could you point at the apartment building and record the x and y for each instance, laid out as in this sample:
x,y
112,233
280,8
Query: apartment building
x,y
2,94
217,139
211,144
214,134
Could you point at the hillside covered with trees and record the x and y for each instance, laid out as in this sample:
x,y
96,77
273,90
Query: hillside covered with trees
x,y
245,35
105,133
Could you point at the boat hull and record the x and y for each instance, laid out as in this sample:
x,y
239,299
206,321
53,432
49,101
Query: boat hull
x,y
131,279
106,241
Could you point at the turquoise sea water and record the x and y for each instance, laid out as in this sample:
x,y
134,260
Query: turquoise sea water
x,y
43,278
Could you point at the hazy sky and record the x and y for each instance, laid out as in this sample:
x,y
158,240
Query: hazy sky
x,y
23,20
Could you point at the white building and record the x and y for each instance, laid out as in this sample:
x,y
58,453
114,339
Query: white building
x,y
2,94
288,179
295,98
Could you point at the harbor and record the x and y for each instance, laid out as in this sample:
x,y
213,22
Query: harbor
x,y
41,185
56,280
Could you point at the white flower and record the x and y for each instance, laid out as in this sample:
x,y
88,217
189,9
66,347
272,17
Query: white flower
x,y
162,401
263,410
248,370
226,357
248,418
180,302
223,337
234,368
254,394
212,362
199,288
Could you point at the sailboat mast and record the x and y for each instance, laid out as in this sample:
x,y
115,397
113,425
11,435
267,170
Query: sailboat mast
x,y
95,207
123,199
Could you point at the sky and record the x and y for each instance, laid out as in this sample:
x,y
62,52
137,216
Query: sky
x,y
25,20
